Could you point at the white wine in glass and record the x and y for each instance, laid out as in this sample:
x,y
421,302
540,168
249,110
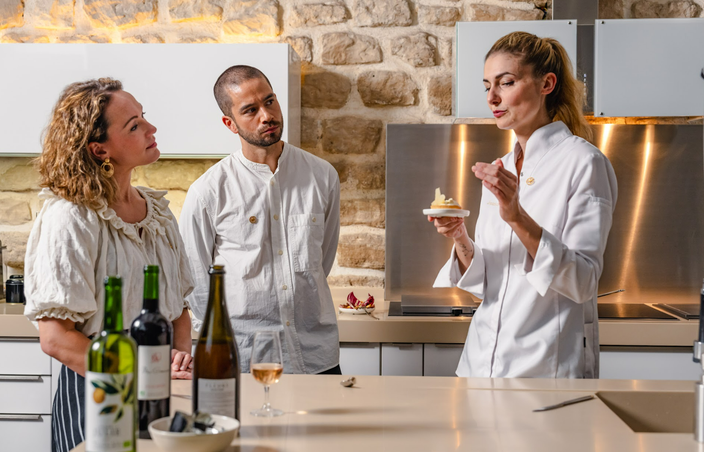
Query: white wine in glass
x,y
266,367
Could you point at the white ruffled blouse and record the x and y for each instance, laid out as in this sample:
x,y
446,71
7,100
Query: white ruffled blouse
x,y
72,248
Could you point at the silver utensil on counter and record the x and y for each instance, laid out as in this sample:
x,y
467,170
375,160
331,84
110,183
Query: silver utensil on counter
x,y
349,382
565,403
610,293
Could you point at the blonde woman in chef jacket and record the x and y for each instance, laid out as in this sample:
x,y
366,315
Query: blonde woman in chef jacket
x,y
94,223
545,216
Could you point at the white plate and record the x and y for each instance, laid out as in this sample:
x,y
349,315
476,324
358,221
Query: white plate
x,y
354,311
446,212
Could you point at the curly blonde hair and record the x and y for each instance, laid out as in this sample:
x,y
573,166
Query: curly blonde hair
x,y
545,55
66,165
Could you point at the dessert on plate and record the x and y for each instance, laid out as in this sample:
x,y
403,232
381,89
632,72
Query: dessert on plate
x,y
440,202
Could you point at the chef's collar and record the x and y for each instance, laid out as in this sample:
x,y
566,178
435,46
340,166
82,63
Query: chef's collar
x,y
540,143
263,167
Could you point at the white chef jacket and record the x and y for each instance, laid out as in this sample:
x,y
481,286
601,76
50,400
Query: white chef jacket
x,y
538,316
276,234
72,248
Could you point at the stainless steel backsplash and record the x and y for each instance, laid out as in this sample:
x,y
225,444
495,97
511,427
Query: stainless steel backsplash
x,y
655,249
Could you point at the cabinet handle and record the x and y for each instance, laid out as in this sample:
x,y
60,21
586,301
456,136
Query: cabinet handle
x,y
18,339
448,345
25,378
402,345
20,417
360,344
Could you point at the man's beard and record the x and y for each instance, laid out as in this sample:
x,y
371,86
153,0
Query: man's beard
x,y
255,139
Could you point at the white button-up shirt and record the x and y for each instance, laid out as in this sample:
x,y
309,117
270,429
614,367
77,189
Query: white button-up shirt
x,y
276,234
538,316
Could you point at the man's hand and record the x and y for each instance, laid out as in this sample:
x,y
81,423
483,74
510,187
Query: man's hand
x,y
181,365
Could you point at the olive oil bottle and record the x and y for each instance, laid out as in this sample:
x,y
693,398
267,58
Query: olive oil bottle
x,y
153,334
216,366
111,408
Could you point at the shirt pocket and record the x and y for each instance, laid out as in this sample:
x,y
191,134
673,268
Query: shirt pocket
x,y
305,240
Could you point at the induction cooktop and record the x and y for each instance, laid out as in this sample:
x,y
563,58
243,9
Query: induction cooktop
x,y
631,311
687,311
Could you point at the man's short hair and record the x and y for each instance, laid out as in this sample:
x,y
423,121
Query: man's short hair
x,y
234,76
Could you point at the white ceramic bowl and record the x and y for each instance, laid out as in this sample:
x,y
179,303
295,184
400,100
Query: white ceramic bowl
x,y
190,442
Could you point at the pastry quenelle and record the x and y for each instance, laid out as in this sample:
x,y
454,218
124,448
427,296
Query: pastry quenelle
x,y
441,203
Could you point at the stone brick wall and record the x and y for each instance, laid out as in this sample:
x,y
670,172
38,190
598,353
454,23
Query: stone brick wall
x,y
365,63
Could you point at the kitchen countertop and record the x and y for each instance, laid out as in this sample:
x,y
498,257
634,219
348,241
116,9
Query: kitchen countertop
x,y
442,414
418,329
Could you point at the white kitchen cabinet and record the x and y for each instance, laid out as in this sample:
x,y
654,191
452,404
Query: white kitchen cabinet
x,y
402,359
26,433
440,360
643,364
360,358
649,67
23,357
25,395
176,91
475,39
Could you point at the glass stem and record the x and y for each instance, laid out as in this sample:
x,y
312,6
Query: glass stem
x,y
266,406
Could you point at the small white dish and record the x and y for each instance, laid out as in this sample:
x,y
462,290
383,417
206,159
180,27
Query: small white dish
x,y
354,311
192,442
446,212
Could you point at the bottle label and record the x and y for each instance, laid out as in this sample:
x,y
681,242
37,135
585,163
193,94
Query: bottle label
x,y
110,417
154,376
217,396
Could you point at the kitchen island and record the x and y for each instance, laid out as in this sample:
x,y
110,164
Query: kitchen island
x,y
444,414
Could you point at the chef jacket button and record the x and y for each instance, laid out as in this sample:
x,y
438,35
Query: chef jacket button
x,y
272,182
313,219
530,181
252,219
276,217
284,287
288,323
281,252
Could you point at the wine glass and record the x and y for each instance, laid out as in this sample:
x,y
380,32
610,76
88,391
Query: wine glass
x,y
266,366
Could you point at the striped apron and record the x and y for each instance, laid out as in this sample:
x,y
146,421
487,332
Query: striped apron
x,y
68,411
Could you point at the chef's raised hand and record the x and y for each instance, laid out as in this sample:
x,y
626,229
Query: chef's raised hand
x,y
181,365
504,185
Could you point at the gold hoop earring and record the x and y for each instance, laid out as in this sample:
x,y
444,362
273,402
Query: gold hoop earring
x,y
107,169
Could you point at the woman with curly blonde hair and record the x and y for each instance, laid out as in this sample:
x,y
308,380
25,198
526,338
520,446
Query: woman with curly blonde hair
x,y
544,219
94,223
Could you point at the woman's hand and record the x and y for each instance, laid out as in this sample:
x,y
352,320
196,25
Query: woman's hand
x,y
504,185
450,227
181,365
454,228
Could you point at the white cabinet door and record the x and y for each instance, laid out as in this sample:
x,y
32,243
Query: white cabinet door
x,y
25,394
23,357
631,364
176,91
402,359
440,360
26,433
475,39
649,67
357,358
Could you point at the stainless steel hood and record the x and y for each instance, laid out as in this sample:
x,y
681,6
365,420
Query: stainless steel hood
x,y
656,246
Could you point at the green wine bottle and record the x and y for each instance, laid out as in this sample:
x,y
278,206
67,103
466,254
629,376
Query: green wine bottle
x,y
216,364
111,362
